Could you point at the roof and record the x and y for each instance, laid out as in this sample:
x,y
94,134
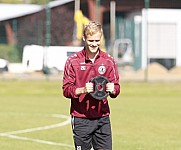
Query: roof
x,y
59,2
10,11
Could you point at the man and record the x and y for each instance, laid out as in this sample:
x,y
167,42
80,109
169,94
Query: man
x,y
90,117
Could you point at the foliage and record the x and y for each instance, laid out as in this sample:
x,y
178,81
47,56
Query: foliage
x,y
12,1
9,52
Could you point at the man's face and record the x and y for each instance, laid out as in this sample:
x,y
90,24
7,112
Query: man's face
x,y
92,42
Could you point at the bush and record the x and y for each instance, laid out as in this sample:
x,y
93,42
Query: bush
x,y
10,53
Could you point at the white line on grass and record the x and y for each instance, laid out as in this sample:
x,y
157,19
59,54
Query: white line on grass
x,y
12,134
40,128
35,140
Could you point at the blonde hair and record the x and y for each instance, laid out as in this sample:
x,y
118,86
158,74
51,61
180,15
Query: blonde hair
x,y
92,28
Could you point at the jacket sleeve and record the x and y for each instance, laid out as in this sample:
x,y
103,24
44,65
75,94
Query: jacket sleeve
x,y
114,78
69,80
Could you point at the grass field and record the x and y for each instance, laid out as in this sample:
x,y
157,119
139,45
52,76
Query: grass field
x,y
35,116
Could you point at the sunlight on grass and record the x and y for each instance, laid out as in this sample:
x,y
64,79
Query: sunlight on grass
x,y
146,116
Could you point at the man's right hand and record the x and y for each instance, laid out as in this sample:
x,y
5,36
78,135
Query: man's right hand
x,y
89,87
83,90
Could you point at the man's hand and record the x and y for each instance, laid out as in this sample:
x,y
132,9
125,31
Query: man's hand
x,y
89,87
110,88
83,90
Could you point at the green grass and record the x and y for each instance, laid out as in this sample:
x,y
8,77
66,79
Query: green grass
x,y
146,116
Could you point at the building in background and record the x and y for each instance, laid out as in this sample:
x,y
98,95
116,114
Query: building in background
x,y
162,32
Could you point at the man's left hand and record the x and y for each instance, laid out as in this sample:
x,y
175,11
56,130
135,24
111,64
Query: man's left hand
x,y
110,88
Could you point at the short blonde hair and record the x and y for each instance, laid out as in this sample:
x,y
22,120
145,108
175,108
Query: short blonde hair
x,y
92,28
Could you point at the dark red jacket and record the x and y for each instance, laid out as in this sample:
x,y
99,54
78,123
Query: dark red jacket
x,y
77,72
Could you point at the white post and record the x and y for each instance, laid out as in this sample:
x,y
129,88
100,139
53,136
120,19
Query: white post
x,y
112,22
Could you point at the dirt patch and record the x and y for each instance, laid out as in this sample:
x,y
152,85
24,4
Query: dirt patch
x,y
176,70
156,68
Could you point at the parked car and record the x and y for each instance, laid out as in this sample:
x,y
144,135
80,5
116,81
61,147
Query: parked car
x,y
3,65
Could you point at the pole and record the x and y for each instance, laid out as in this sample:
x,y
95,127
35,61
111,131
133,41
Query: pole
x,y
48,37
76,6
112,22
98,11
146,38
48,23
